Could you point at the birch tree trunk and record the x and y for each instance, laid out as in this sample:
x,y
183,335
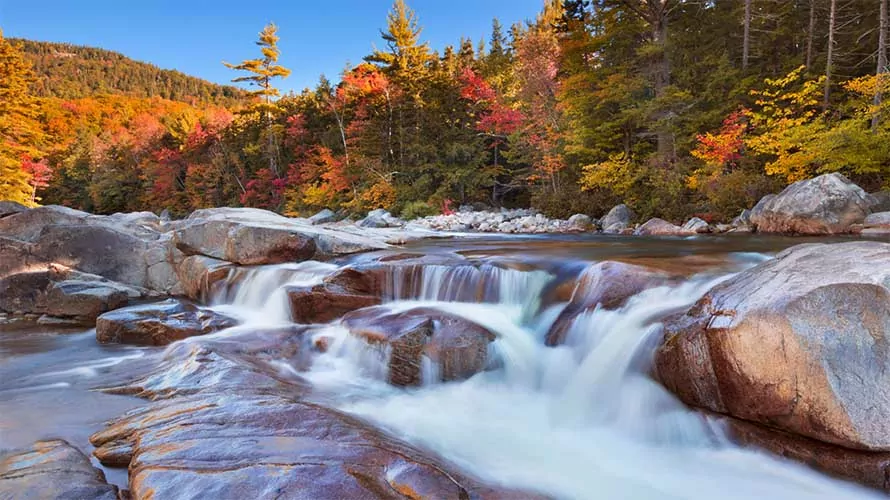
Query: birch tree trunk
x,y
830,58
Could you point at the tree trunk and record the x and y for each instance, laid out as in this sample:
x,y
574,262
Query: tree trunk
x,y
811,34
661,80
746,39
830,58
882,64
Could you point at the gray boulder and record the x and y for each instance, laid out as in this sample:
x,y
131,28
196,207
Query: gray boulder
x,y
696,225
580,222
798,343
828,204
323,217
618,218
660,227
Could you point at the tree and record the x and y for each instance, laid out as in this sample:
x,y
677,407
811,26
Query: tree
x,y
746,37
829,59
882,69
19,130
262,72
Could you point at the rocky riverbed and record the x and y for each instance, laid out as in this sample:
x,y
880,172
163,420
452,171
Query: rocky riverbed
x,y
241,354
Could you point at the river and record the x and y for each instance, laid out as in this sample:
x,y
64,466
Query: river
x,y
579,421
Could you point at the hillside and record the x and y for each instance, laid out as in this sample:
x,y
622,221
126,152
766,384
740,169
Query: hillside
x,y
70,71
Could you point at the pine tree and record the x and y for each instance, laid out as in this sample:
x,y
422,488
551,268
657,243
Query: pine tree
x,y
262,71
18,129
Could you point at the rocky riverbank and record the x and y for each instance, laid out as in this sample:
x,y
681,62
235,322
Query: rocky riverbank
x,y
828,204
790,354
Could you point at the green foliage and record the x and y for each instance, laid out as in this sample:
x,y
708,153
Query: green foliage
x,y
72,72
417,209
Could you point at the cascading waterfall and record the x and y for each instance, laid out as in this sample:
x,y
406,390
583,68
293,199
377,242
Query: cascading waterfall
x,y
582,420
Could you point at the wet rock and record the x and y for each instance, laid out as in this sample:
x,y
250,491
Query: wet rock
x,y
159,323
799,343
880,201
456,346
696,225
200,276
322,304
618,218
871,469
324,217
240,430
68,295
660,227
607,285
52,469
11,208
828,204
580,222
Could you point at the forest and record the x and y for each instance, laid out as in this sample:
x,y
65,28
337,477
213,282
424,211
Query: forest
x,y
674,107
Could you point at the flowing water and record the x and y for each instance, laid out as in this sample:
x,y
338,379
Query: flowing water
x,y
579,421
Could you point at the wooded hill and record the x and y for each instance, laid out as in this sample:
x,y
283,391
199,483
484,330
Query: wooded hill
x,y
72,71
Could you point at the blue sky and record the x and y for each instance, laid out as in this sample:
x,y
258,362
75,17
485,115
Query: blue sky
x,y
195,36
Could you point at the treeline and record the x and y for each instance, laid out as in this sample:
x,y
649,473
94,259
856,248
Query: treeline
x,y
73,72
674,107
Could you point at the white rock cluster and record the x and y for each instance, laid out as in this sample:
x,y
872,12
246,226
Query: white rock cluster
x,y
520,221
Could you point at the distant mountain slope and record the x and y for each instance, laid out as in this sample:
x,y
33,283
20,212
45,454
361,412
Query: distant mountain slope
x,y
72,71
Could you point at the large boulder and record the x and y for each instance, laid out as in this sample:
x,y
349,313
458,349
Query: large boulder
x,y
251,236
580,222
800,343
696,225
52,470
64,293
828,204
379,219
455,346
660,227
159,323
606,285
126,248
618,219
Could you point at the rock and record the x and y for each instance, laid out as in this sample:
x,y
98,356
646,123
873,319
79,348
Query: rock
x,y
11,208
659,227
620,216
696,225
241,431
323,304
868,468
324,217
159,323
607,285
744,218
380,218
880,201
51,470
799,343
878,219
200,276
244,244
828,204
456,346
580,222
269,238
69,295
